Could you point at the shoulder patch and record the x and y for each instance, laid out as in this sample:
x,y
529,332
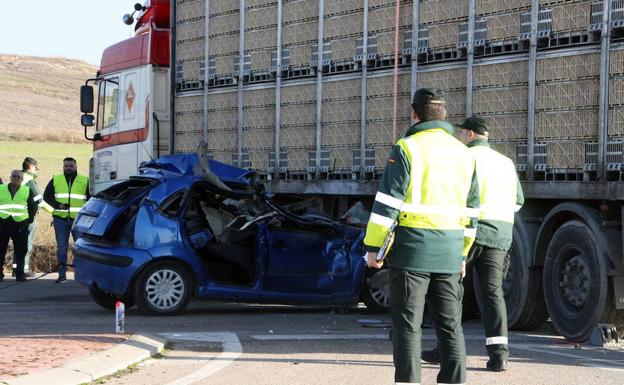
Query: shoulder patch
x,y
391,160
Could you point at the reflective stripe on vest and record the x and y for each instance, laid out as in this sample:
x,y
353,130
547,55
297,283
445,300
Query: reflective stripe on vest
x,y
74,195
16,206
497,185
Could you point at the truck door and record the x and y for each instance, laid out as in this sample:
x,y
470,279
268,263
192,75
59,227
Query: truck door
x,y
105,153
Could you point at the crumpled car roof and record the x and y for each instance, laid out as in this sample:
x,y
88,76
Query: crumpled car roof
x,y
190,165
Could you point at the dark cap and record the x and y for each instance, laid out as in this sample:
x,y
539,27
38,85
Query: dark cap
x,y
428,96
475,124
30,160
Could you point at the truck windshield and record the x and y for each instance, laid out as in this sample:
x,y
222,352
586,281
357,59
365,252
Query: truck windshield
x,y
108,103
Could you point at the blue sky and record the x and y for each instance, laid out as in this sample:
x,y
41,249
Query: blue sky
x,y
77,29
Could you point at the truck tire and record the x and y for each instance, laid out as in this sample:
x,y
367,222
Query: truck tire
x,y
376,290
523,285
576,285
107,301
163,288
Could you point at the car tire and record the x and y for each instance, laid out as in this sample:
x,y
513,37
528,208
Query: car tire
x,y
376,290
108,301
163,288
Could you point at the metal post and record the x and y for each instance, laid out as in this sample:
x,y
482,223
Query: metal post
x,y
206,66
395,92
172,76
603,112
415,29
319,87
470,54
278,89
241,66
363,93
532,89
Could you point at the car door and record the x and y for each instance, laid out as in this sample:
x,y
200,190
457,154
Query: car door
x,y
306,262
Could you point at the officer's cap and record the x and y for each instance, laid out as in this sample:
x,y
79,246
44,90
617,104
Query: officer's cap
x,y
428,96
475,124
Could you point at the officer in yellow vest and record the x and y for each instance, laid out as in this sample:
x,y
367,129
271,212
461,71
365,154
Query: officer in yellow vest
x,y
17,211
500,197
64,196
429,190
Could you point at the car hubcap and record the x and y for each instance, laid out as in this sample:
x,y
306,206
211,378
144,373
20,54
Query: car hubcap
x,y
379,286
165,289
575,279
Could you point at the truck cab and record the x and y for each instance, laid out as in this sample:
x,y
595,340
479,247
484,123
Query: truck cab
x,y
131,119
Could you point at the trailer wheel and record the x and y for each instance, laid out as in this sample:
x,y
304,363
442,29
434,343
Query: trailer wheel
x,y
575,281
376,290
523,285
163,288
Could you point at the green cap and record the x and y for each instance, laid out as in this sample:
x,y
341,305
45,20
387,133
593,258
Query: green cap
x,y
475,124
428,96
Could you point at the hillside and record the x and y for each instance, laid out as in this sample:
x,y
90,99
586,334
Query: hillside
x,y
40,98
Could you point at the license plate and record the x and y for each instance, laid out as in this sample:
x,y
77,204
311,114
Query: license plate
x,y
85,221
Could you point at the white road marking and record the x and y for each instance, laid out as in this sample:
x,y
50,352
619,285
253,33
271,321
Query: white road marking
x,y
597,363
232,349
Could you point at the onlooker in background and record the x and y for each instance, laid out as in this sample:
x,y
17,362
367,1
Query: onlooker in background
x,y
29,170
64,196
17,211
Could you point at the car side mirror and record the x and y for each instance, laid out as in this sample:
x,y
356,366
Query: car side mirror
x,y
86,100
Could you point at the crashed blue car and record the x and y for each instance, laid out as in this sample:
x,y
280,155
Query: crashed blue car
x,y
188,227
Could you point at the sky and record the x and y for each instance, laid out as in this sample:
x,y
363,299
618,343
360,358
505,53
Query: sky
x,y
76,29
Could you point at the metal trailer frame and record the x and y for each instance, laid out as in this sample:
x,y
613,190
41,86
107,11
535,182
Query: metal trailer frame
x,y
595,190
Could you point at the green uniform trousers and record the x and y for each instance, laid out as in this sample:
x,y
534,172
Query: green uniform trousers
x,y
491,267
443,293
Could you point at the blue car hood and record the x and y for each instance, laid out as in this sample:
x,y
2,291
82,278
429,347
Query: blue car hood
x,y
189,165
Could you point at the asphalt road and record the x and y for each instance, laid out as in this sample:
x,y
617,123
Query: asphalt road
x,y
228,343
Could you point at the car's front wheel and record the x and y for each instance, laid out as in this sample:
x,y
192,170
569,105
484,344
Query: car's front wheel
x,y
162,288
376,290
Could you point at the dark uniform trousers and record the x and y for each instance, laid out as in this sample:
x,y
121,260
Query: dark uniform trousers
x,y
18,232
443,294
491,266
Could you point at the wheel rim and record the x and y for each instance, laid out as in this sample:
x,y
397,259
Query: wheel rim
x,y
165,289
574,280
379,287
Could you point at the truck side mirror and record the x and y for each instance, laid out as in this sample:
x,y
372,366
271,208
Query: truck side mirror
x,y
86,100
87,120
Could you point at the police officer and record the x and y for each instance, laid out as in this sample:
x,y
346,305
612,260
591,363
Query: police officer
x,y
64,195
500,197
29,171
17,211
430,188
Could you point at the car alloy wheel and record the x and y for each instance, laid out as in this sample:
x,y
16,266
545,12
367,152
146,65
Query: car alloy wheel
x,y
164,289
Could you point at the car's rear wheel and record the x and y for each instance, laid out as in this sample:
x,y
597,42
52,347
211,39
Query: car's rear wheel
x,y
376,290
162,288
107,301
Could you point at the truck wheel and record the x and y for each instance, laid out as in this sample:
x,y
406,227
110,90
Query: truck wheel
x,y
522,286
107,301
376,290
163,288
575,281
